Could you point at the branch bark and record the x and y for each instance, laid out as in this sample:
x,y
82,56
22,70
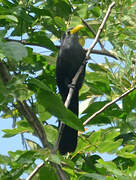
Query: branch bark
x,y
108,105
35,171
94,33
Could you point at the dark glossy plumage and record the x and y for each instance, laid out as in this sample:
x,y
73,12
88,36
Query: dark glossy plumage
x,y
70,58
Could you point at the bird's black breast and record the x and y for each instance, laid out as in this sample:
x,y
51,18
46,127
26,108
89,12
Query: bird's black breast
x,y
70,58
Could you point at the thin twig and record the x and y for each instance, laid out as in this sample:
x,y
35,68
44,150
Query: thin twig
x,y
100,29
108,105
94,33
35,171
103,52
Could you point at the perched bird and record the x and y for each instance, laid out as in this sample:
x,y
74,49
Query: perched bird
x,y
70,58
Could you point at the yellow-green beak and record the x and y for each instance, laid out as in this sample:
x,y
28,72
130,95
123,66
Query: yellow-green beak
x,y
76,29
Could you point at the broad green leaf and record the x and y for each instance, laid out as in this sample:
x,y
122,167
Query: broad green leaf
x,y
127,152
54,106
111,134
41,39
129,102
82,146
110,166
75,20
33,145
109,146
110,178
94,176
13,132
51,133
82,10
44,115
4,159
9,17
14,50
55,159
98,67
95,138
103,117
97,77
48,172
60,23
39,84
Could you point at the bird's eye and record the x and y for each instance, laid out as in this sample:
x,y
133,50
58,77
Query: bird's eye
x,y
68,32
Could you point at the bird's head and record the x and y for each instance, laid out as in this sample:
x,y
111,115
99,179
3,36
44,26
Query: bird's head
x,y
71,34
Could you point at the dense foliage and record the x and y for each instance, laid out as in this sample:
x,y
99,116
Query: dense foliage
x,y
29,96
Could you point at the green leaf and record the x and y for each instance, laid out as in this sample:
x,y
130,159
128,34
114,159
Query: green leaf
x,y
44,115
51,133
54,106
127,152
39,84
47,171
14,50
13,132
33,145
9,17
98,67
129,102
4,159
95,138
94,176
97,77
82,146
75,20
82,10
110,178
94,107
55,159
41,39
110,166
109,146
60,23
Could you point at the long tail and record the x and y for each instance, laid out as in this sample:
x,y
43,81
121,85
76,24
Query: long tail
x,y
68,141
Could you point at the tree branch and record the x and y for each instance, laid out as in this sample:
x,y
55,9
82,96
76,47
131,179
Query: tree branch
x,y
108,105
35,171
94,33
100,29
74,80
26,111
103,52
